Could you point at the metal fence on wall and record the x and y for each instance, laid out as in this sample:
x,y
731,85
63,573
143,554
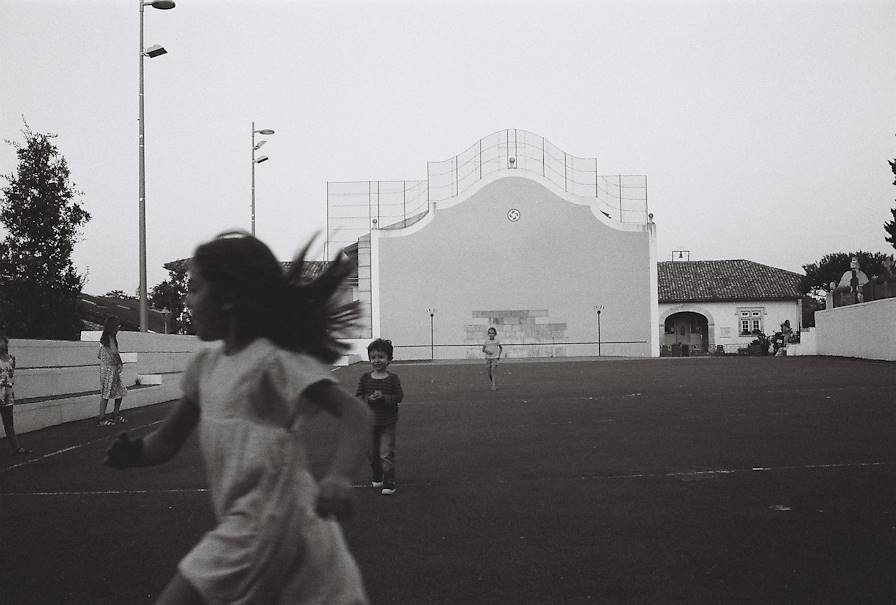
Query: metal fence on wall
x,y
356,208
875,289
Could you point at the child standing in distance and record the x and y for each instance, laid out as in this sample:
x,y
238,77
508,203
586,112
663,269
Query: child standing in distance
x,y
7,397
381,390
278,539
493,350
111,365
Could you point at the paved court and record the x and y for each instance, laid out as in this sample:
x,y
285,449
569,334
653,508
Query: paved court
x,y
690,480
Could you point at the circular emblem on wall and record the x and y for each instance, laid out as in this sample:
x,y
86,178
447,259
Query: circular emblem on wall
x,y
513,215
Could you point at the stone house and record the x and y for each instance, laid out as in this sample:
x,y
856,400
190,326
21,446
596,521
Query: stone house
x,y
704,305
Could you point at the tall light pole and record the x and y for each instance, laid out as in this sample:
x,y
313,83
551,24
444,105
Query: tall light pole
x,y
153,51
258,160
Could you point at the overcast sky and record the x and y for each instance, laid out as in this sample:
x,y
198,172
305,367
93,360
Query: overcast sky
x,y
764,127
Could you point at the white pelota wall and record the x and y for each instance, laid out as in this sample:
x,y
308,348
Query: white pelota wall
x,y
537,279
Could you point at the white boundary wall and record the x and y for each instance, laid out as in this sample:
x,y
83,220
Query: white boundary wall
x,y
58,381
866,330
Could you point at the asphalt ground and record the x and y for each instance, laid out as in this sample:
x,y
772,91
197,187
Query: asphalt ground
x,y
690,480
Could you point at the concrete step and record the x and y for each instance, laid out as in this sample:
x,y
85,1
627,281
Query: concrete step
x,y
33,414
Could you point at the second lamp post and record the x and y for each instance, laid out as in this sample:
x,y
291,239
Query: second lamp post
x,y
258,160
153,51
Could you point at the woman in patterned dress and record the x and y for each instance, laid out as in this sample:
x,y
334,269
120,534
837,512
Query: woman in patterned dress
x,y
111,386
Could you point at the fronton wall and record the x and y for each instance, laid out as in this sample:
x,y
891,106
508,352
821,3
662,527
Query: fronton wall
x,y
523,258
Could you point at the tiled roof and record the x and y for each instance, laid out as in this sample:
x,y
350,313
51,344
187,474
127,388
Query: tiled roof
x,y
313,268
724,280
95,309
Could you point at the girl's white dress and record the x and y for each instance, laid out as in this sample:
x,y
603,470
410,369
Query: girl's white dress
x,y
269,546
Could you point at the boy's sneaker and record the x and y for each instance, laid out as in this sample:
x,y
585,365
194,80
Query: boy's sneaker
x,y
376,484
389,489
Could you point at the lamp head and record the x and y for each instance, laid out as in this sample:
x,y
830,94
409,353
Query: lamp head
x,y
259,144
154,51
161,4
264,131
261,158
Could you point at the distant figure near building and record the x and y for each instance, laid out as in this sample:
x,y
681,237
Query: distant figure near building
x,y
493,350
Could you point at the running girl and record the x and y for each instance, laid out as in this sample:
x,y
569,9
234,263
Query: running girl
x,y
277,539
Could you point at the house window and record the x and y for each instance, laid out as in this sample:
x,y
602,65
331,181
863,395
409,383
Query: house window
x,y
750,320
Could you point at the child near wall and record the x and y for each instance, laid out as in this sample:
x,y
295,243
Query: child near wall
x,y
7,396
493,350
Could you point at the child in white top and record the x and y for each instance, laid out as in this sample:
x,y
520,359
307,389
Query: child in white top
x,y
277,539
493,350
7,396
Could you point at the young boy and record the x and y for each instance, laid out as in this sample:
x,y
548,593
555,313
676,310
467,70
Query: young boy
x,y
493,350
381,390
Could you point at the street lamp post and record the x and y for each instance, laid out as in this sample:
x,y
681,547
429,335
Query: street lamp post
x,y
598,308
432,341
258,160
153,51
165,313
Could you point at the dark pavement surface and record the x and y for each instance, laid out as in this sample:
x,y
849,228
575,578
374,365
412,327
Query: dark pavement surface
x,y
691,480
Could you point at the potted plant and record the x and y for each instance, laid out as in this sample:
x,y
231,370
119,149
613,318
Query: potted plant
x,y
761,344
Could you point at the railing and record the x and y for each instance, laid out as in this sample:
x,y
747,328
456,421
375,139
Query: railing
x,y
356,208
873,290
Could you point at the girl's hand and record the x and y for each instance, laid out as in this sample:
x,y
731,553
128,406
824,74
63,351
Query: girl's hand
x,y
124,452
335,499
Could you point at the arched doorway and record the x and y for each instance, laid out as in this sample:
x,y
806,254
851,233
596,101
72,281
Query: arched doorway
x,y
686,333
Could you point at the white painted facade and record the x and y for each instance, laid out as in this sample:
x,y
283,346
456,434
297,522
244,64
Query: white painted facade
x,y
723,320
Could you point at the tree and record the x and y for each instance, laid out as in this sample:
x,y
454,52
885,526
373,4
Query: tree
x,y
43,219
832,266
171,294
890,226
119,294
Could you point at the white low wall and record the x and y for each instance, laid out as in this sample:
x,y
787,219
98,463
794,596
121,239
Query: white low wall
x,y
865,330
806,346
58,381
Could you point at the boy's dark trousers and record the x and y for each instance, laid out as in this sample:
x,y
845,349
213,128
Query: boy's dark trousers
x,y
382,454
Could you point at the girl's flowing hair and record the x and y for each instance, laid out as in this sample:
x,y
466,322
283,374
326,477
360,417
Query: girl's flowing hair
x,y
296,312
108,326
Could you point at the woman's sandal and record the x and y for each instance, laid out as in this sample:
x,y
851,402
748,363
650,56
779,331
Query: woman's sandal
x,y
21,451
106,422
121,420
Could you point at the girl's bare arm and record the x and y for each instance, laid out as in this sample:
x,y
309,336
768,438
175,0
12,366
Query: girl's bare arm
x,y
335,497
354,432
